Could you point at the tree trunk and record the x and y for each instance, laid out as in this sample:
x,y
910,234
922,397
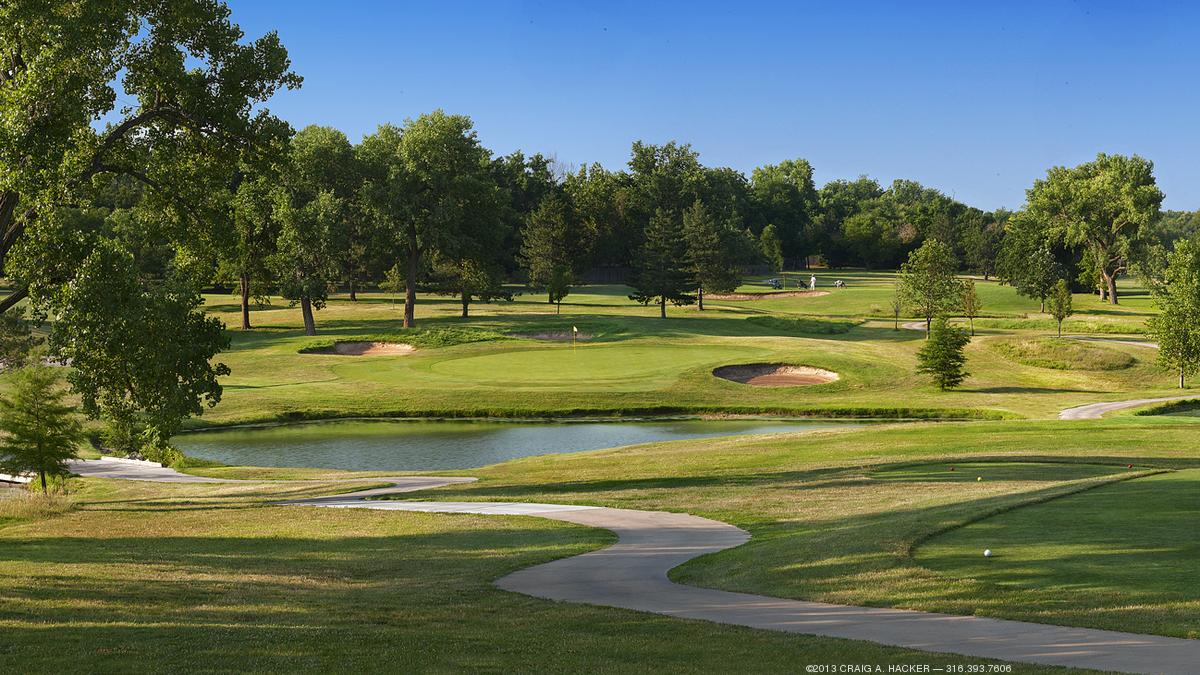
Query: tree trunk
x,y
662,307
410,288
466,303
11,301
1181,377
245,284
310,326
972,320
1043,309
1060,328
42,475
1110,281
353,293
700,297
928,326
558,307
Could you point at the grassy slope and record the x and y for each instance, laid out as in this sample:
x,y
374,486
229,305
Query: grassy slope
x,y
154,578
832,522
638,363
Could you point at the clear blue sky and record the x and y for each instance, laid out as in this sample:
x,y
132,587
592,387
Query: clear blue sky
x,y
974,98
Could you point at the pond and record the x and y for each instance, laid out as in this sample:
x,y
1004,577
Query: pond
x,y
436,445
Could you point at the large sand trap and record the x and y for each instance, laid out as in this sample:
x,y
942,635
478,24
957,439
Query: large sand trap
x,y
368,349
775,375
555,335
765,296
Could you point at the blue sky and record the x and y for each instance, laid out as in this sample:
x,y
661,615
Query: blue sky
x,y
976,99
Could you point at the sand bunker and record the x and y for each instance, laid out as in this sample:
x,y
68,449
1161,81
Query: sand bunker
x,y
765,296
368,349
775,375
555,335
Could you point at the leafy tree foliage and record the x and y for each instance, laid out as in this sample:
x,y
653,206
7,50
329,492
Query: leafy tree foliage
x,y
785,196
250,245
984,241
16,339
1060,303
942,356
970,303
712,253
927,282
1102,206
95,97
305,262
771,248
39,431
1177,324
551,247
430,185
662,271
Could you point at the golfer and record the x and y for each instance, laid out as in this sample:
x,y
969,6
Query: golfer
x,y
812,283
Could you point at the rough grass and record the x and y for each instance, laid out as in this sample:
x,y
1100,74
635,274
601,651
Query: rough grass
x,y
1062,354
19,504
150,578
801,325
1188,407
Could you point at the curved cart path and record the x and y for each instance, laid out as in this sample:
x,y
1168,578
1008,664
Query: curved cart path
x,y
1094,411
632,574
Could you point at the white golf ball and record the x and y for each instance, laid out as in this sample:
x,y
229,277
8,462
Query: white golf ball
x,y
987,552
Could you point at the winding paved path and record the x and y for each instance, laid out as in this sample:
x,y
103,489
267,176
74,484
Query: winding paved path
x,y
632,574
1094,411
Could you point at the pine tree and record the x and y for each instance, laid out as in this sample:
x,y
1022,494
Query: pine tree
x,y
710,253
1060,303
550,246
942,355
662,273
38,430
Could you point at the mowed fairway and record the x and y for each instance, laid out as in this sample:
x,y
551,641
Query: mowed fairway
x,y
631,362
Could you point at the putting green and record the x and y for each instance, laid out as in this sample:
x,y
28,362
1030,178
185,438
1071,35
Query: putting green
x,y
623,365
1134,541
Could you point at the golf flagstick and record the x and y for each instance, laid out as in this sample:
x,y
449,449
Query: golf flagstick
x,y
574,332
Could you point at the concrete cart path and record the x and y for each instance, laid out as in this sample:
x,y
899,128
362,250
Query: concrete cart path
x,y
632,574
1094,411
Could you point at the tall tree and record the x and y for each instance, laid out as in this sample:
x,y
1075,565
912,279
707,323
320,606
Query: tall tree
x,y
1101,205
712,253
167,94
16,339
662,273
1177,324
470,278
251,244
983,242
305,262
927,282
551,247
429,184
39,431
786,197
771,248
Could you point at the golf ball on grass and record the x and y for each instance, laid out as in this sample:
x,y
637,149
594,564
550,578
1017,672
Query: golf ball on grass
x,y
987,552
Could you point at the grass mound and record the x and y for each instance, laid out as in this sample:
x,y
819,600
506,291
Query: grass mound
x,y
802,325
1128,541
424,338
1187,408
1084,326
1060,354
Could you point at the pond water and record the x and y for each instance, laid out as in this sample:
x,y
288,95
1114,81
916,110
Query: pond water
x,y
428,445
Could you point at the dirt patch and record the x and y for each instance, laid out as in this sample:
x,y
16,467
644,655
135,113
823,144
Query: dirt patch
x,y
775,375
368,349
765,296
555,335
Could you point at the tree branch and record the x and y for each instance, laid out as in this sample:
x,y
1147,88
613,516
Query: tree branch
x,y
18,294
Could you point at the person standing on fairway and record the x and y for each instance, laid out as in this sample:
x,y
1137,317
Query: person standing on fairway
x,y
812,283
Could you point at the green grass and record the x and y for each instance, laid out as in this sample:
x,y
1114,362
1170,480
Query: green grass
x,y
637,364
157,578
1134,540
836,515
1062,354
